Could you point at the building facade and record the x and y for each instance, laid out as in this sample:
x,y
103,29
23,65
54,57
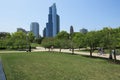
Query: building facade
x,y
44,32
71,30
53,24
83,30
34,27
21,29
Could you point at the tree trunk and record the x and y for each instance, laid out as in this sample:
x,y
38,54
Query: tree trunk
x,y
90,52
114,55
49,49
60,50
72,50
110,55
69,49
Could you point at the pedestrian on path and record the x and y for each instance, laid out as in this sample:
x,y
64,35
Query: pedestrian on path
x,y
100,51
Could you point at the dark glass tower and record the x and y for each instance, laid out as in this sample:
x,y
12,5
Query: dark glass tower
x,y
53,25
44,32
71,30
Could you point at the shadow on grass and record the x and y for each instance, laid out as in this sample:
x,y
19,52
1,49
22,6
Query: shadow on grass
x,y
106,59
87,56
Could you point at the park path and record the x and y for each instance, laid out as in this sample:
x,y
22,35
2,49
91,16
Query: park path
x,y
2,74
76,52
63,50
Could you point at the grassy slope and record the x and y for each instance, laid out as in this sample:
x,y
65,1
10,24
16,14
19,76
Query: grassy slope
x,y
53,66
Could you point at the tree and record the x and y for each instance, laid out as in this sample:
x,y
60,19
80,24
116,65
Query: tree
x,y
19,39
48,43
61,43
92,41
110,39
62,40
78,38
31,36
3,38
62,35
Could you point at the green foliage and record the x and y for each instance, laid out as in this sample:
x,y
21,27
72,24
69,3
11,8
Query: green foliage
x,y
19,39
38,40
62,35
4,35
35,44
91,40
16,40
48,42
31,36
78,38
62,40
46,66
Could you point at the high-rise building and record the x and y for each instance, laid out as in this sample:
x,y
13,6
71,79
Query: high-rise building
x,y
34,27
44,32
53,25
21,29
83,30
71,30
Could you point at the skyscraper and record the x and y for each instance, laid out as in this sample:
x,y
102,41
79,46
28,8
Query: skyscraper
x,y
34,27
71,30
44,32
53,25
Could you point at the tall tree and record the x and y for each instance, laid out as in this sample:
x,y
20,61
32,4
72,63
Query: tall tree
x,y
78,38
48,43
19,39
62,39
91,40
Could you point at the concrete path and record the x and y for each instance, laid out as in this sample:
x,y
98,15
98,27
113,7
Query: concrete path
x,y
2,74
11,51
76,52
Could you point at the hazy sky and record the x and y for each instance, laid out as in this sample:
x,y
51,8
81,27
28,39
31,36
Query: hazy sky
x,y
89,14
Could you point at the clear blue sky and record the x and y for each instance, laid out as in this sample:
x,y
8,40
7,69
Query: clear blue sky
x,y
89,14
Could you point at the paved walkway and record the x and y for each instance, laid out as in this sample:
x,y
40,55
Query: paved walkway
x,y
76,52
11,51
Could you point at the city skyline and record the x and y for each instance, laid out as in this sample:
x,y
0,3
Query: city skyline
x,y
92,15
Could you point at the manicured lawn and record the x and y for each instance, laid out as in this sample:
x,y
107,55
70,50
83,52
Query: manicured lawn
x,y
57,66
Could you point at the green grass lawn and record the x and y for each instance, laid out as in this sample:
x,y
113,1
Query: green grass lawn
x,y
57,66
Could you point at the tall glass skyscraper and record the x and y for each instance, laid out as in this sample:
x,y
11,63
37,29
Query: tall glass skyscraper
x,y
53,25
34,27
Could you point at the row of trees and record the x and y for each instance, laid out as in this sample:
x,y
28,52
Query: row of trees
x,y
107,38
17,40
